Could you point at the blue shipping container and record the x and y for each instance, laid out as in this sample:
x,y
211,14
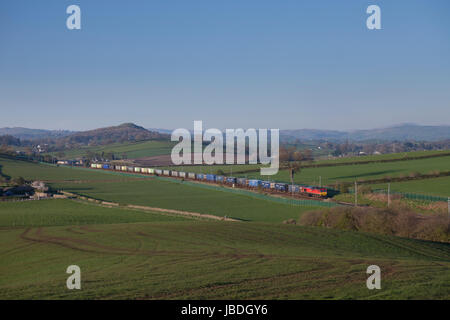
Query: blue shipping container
x,y
211,177
106,166
231,180
254,183
199,176
220,178
280,186
265,184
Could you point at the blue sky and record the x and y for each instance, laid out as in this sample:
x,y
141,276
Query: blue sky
x,y
275,64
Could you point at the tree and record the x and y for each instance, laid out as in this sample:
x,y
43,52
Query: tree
x,y
18,181
293,168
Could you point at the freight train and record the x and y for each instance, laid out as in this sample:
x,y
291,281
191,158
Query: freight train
x,y
310,191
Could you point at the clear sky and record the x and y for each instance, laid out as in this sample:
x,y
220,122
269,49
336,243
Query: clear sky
x,y
231,63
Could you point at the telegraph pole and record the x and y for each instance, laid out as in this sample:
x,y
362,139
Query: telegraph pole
x,y
448,207
356,194
389,195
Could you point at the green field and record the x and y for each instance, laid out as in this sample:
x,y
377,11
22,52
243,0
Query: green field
x,y
172,195
360,171
36,171
59,212
435,186
149,191
132,150
379,157
217,260
130,254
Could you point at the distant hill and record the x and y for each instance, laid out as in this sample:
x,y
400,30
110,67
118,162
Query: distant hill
x,y
122,133
34,134
403,132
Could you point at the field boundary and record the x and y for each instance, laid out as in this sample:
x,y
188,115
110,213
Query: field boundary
x,y
109,204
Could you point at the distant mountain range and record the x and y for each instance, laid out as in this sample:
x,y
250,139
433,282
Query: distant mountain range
x,y
403,132
130,131
33,134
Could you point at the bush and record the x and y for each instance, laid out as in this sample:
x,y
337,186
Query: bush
x,y
399,221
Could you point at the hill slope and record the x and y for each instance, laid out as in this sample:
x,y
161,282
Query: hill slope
x,y
122,133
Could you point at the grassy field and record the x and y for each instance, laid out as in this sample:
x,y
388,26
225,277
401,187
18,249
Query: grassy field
x,y
378,157
361,171
36,171
435,186
148,191
217,260
60,212
171,195
132,150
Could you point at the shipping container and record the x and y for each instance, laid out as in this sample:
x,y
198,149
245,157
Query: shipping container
x,y
151,170
199,176
182,174
99,165
158,171
281,186
254,183
130,169
166,172
265,184
211,177
174,173
191,175
105,166
294,188
137,169
241,181
231,180
93,165
220,178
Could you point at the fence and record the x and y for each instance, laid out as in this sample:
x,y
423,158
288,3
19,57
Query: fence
x,y
413,196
